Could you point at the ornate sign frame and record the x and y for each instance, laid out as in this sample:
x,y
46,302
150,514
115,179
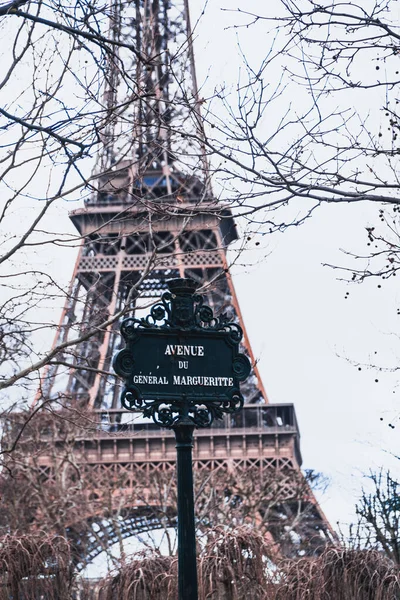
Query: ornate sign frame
x,y
164,386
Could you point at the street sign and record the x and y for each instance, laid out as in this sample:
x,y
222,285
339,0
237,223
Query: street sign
x,y
166,365
182,358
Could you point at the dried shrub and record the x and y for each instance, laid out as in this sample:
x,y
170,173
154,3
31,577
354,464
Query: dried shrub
x,y
339,574
233,564
34,566
237,565
144,578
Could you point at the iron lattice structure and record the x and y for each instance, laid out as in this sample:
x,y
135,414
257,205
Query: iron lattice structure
x,y
151,217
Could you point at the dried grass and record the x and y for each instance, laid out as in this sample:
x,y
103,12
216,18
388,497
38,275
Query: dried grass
x,y
339,574
144,578
237,565
35,566
233,565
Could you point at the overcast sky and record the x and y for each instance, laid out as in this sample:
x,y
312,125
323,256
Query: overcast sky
x,y
307,335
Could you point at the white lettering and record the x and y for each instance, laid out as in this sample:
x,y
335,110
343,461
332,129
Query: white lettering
x,y
195,380
172,349
150,380
183,364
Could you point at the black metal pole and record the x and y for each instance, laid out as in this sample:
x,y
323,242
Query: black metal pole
x,y
187,567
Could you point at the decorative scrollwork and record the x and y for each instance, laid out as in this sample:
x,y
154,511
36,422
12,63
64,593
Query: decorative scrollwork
x,y
159,313
164,416
241,367
202,417
205,320
131,399
205,314
167,414
124,363
162,310
128,328
182,310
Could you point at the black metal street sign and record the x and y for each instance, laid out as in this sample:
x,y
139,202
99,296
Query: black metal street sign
x,y
181,360
182,367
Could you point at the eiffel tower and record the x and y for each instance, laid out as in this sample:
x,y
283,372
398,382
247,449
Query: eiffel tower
x,y
150,216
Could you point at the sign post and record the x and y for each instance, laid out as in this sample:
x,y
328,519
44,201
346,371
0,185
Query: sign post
x,y
182,368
